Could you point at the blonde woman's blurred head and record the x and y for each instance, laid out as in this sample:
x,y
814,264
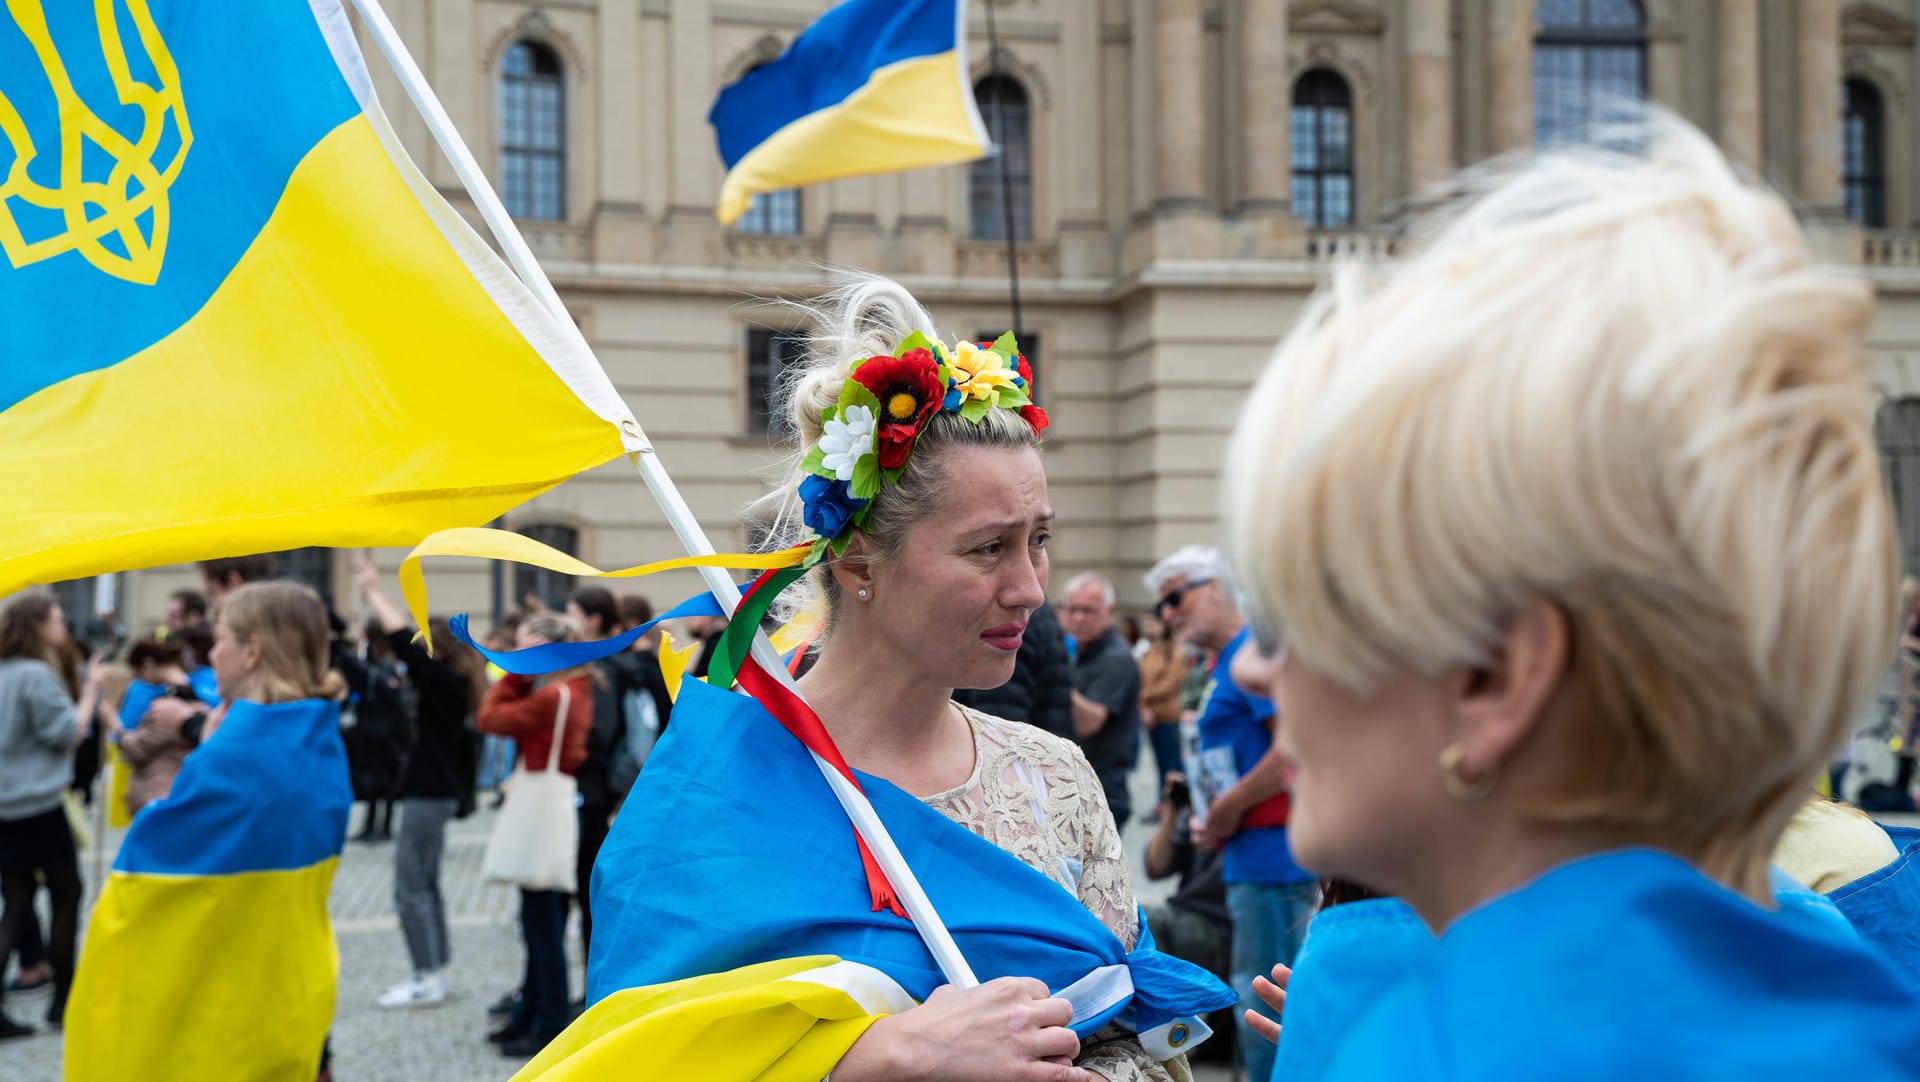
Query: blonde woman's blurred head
x,y
1576,515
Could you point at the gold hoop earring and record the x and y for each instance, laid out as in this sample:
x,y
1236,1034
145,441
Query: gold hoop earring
x,y
1453,776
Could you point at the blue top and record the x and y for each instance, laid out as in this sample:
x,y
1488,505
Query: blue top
x,y
205,684
1629,964
142,693
1236,723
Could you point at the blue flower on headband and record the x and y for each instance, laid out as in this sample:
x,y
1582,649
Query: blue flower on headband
x,y
953,398
828,505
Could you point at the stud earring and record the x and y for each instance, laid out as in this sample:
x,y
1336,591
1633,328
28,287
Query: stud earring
x,y
863,593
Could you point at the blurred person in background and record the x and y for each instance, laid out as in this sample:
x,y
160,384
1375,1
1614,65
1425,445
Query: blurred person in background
x,y
40,725
447,688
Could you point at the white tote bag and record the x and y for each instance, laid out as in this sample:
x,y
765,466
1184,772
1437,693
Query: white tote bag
x,y
536,840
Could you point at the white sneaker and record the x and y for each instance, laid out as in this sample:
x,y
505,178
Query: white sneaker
x,y
421,991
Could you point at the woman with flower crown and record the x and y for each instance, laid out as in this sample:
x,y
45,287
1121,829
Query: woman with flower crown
x,y
742,942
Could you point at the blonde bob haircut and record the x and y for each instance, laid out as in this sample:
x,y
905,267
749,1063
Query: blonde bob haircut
x,y
1616,382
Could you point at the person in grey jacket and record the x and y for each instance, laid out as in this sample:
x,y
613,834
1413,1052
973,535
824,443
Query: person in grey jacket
x,y
40,725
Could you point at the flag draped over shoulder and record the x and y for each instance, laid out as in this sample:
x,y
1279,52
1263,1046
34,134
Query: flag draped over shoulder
x,y
726,907
238,319
209,953
873,86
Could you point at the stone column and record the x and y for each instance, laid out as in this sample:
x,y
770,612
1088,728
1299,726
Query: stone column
x,y
1738,112
1511,89
1180,115
1818,64
1429,97
1267,185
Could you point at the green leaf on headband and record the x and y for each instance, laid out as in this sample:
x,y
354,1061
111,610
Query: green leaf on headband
x,y
814,464
866,477
974,409
1006,347
1011,397
854,393
816,553
840,543
914,341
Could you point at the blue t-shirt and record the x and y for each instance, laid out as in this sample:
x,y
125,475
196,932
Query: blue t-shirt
x,y
1234,724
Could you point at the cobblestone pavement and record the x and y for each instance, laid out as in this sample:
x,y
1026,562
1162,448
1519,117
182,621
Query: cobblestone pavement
x,y
443,1043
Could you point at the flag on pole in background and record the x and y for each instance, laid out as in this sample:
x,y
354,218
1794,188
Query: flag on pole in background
x,y
873,86
237,317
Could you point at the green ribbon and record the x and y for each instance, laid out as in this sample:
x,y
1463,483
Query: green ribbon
x,y
737,640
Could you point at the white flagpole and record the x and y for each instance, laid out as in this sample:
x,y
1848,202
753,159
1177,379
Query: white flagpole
x,y
912,898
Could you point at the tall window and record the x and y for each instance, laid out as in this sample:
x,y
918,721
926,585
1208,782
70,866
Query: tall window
x,y
312,566
1863,154
1590,54
1003,104
1897,430
533,132
772,212
1322,137
769,352
551,587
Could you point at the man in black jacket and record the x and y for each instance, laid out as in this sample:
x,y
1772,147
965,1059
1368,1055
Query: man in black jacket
x,y
1041,691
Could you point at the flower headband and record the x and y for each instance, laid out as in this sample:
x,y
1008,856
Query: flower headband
x,y
885,404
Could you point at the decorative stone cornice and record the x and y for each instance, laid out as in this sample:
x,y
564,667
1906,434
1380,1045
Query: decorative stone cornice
x,y
1870,24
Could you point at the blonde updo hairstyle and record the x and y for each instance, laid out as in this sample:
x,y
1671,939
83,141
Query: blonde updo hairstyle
x,y
869,316
1616,382
287,623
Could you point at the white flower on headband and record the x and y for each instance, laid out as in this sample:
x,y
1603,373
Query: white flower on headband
x,y
844,441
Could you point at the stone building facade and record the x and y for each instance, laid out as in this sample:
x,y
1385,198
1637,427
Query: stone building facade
x,y
1183,170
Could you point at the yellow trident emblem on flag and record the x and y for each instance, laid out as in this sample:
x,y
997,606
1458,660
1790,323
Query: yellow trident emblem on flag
x,y
95,210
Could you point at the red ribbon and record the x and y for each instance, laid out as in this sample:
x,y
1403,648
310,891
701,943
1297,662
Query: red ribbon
x,y
799,719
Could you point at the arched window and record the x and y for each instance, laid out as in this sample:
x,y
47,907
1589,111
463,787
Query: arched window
x,y
551,587
1863,154
1003,104
1590,53
533,132
1321,131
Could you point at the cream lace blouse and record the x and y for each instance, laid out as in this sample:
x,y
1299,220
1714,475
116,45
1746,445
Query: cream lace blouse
x,y
1034,795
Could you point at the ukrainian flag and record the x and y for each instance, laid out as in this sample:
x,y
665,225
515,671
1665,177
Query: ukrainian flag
x,y
746,946
237,318
873,86
209,954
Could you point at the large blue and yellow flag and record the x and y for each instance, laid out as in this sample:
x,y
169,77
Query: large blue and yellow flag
x,y
742,943
873,86
209,954
236,316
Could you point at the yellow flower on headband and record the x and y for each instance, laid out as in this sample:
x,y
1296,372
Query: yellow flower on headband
x,y
979,373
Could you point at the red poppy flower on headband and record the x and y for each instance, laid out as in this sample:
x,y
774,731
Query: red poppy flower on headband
x,y
1033,415
909,391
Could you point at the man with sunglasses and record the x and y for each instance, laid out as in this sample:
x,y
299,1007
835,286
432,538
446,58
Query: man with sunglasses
x,y
1240,786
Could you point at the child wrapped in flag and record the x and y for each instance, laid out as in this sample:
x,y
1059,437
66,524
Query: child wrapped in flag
x,y
736,934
